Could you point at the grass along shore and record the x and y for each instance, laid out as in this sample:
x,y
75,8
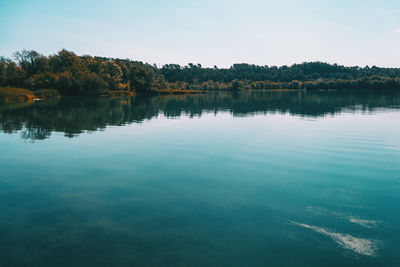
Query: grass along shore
x,y
14,94
180,92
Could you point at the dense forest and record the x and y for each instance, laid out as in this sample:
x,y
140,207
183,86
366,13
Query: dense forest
x,y
86,75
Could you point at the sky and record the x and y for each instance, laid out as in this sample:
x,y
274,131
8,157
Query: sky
x,y
209,32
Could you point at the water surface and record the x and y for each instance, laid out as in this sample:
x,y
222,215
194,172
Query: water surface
x,y
250,179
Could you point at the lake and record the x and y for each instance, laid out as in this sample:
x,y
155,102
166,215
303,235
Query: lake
x,y
248,179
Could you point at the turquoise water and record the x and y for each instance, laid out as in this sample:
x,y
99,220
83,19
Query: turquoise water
x,y
256,179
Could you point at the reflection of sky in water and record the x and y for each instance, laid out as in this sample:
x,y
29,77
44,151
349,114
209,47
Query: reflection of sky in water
x,y
208,191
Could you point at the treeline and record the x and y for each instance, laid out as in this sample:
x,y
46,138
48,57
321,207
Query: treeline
x,y
86,75
78,75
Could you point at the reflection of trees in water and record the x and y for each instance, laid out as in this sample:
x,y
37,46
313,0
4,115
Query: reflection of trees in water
x,y
35,133
72,116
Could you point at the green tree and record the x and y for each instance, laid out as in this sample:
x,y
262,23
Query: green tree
x,y
31,61
15,76
141,78
3,71
235,85
112,74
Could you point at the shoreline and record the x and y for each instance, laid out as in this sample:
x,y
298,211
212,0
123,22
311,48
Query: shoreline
x,y
14,94
21,95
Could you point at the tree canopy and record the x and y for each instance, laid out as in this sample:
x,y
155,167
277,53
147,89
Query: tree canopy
x,y
86,75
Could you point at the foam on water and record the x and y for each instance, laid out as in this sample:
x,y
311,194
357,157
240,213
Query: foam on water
x,y
361,246
363,222
357,220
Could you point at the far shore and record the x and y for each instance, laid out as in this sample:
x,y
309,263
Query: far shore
x,y
14,94
21,95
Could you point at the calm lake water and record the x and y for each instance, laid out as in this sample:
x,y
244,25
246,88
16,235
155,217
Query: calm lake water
x,y
251,179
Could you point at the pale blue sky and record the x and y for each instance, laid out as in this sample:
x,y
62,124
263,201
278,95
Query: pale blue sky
x,y
210,32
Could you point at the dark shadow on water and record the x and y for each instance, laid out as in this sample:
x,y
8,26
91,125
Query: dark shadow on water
x,y
73,116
